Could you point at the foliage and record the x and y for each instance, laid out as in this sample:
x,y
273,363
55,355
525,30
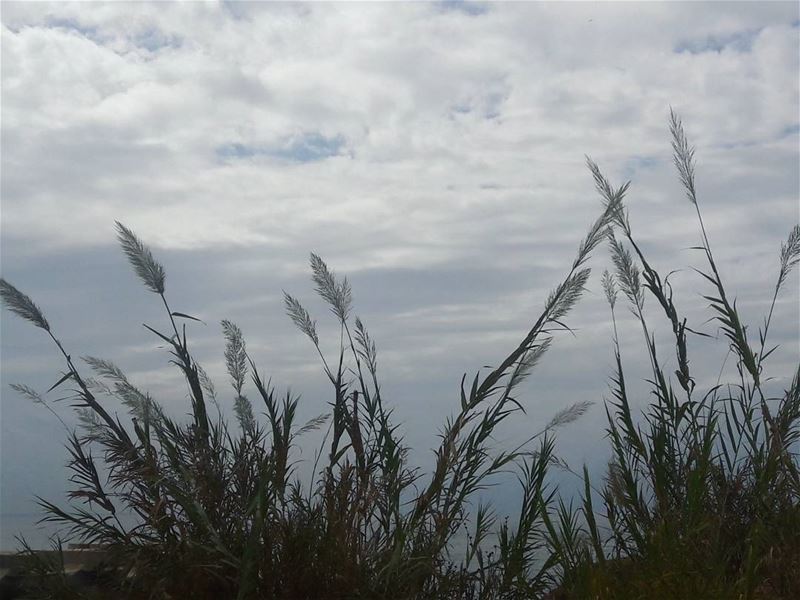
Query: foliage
x,y
701,497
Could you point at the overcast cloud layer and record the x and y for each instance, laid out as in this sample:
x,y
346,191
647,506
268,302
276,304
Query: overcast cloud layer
x,y
432,152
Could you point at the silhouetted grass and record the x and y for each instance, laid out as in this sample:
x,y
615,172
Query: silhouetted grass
x,y
700,499
702,496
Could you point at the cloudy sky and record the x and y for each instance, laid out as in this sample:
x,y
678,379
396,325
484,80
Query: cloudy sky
x,y
433,152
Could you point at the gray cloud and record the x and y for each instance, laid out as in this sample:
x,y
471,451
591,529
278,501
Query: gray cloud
x,y
432,152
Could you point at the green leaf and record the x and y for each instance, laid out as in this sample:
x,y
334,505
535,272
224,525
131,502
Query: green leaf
x,y
185,316
60,381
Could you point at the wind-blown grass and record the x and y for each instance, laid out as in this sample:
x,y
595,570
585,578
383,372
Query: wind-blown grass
x,y
701,498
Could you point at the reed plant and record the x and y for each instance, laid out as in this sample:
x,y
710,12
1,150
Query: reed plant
x,y
218,511
702,494
701,497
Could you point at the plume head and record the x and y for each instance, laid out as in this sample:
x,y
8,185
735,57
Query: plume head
x,y
337,294
300,317
147,268
682,155
22,305
790,255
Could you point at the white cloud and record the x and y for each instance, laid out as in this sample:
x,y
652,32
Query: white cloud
x,y
419,98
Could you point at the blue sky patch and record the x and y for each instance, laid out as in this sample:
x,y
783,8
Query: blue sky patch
x,y
487,105
67,24
473,9
151,38
310,147
637,163
304,148
154,39
739,41
791,130
237,10
229,151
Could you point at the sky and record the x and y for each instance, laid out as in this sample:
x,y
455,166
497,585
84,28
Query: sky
x,y
432,152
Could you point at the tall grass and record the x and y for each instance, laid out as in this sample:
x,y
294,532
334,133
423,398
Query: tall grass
x,y
700,498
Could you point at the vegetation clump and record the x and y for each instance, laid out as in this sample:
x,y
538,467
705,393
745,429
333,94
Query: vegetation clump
x,y
701,498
